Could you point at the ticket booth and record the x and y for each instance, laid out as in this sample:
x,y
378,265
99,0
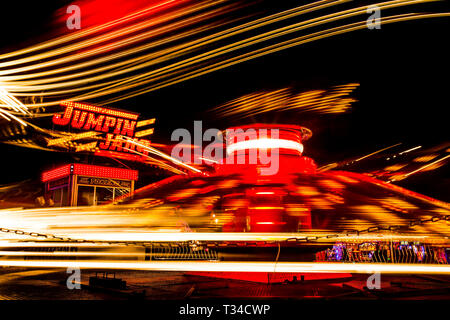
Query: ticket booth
x,y
87,185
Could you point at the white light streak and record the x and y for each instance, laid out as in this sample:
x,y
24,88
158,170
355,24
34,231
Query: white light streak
x,y
265,143
207,266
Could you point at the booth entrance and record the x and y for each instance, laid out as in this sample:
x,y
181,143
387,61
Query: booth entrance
x,y
97,191
87,185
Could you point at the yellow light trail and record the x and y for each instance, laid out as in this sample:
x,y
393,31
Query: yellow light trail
x,y
163,155
411,149
378,151
259,53
428,165
73,137
86,32
302,25
178,14
164,54
335,165
11,103
117,233
248,42
275,267
98,50
319,101
420,169
69,253
154,161
174,69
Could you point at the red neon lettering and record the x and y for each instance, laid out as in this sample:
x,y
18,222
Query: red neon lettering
x,y
129,145
105,145
117,144
64,120
118,126
78,121
93,122
145,143
109,122
91,108
128,128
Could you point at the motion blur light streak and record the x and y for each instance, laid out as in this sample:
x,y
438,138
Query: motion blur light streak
x,y
192,66
343,163
425,166
317,101
163,155
265,51
92,30
10,102
214,213
238,266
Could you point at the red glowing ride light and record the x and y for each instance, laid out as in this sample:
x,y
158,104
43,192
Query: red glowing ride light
x,y
253,148
90,170
288,138
265,143
56,173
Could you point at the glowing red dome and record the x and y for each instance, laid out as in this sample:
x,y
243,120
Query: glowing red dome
x,y
266,152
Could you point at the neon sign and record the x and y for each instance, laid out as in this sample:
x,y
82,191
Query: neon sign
x,y
112,124
90,171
